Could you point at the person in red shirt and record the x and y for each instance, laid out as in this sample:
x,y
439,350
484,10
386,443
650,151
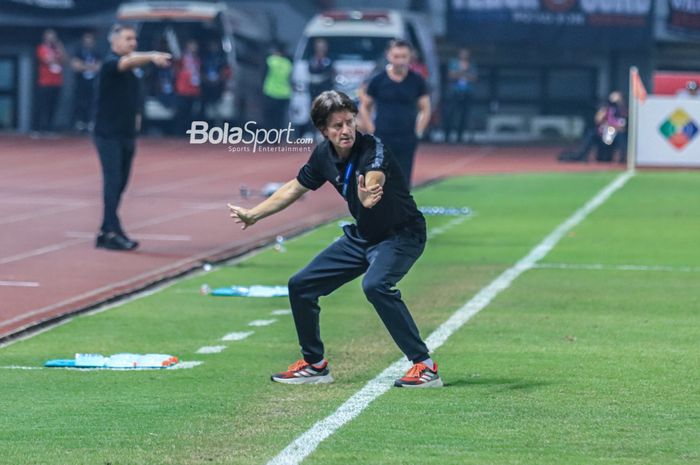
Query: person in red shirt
x,y
50,56
188,86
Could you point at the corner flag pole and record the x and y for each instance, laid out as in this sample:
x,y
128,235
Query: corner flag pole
x,y
637,95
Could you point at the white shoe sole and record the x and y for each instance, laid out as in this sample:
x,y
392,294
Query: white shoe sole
x,y
436,383
327,379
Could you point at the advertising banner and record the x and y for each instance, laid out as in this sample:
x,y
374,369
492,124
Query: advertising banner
x,y
684,17
598,24
669,132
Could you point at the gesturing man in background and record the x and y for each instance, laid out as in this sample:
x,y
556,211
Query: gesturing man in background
x,y
388,238
116,124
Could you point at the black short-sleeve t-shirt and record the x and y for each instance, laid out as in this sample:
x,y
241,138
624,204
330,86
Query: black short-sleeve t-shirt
x,y
118,100
396,103
396,210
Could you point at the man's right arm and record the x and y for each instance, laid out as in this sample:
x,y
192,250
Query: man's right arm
x,y
138,59
365,112
281,199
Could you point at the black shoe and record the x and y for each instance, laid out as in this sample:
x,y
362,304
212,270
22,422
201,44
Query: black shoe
x,y
115,241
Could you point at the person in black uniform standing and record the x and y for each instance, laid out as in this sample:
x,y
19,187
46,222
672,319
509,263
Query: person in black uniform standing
x,y
387,240
116,124
402,106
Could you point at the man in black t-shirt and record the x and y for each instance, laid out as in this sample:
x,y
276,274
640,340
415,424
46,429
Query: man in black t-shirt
x,y
386,241
400,97
116,124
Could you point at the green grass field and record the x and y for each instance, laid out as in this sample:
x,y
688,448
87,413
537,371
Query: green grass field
x,y
580,361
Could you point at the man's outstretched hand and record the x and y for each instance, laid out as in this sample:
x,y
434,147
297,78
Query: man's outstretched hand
x,y
369,196
241,215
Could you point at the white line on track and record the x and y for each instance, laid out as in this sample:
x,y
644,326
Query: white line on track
x,y
305,444
38,214
262,322
19,283
211,349
599,266
141,236
156,272
239,336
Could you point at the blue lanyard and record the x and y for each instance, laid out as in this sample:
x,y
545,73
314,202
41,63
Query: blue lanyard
x,y
348,172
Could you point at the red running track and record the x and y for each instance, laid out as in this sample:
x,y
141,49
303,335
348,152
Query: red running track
x,y
50,209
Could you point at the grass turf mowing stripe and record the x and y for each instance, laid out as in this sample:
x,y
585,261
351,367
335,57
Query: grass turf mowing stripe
x,y
305,444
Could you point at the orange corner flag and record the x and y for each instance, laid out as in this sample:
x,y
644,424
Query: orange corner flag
x,y
638,90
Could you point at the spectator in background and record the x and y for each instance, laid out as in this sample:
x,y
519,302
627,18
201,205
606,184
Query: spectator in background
x,y
117,121
609,134
51,56
86,65
215,73
461,76
402,106
417,65
320,69
188,86
277,89
690,90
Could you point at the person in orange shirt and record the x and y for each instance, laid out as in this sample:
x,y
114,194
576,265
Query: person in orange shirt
x,y
188,86
50,56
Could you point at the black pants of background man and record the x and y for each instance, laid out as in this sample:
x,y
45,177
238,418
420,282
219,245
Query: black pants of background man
x,y
116,155
457,114
404,149
45,108
384,264
84,101
276,113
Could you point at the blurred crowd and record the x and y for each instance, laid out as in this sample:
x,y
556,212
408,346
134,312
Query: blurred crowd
x,y
194,87
197,80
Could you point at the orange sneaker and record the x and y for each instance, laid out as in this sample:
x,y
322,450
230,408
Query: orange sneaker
x,y
420,376
301,372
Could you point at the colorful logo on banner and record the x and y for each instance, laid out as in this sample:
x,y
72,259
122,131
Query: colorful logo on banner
x,y
679,129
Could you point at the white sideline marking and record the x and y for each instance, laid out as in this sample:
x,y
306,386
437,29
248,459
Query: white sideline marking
x,y
16,367
262,322
283,311
237,336
305,444
598,266
144,236
19,283
450,224
184,365
210,349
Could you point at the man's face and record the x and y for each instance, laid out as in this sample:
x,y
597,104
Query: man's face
x,y
340,130
321,47
399,57
124,42
88,41
50,36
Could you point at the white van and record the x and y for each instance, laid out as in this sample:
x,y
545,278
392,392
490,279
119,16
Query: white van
x,y
241,38
357,41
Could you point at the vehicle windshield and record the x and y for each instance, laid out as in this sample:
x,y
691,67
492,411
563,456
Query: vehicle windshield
x,y
350,48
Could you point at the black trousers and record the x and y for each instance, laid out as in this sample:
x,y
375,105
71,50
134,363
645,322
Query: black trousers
x,y
457,114
276,113
347,258
404,149
84,100
116,155
45,108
